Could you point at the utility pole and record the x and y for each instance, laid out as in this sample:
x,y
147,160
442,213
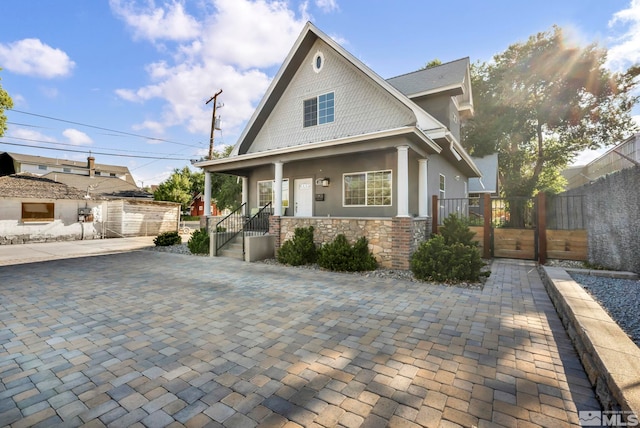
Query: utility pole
x,y
207,174
213,121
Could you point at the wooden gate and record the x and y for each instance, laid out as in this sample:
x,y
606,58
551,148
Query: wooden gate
x,y
522,228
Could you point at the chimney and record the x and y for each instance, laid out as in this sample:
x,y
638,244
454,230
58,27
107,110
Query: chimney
x,y
91,164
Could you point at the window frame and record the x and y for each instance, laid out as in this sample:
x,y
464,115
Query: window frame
x,y
366,189
49,217
321,115
285,192
442,187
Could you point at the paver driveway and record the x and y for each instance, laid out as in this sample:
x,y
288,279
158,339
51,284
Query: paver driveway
x,y
159,339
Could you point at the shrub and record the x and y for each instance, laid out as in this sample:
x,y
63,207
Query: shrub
x,y
300,250
167,238
455,229
199,242
339,255
435,260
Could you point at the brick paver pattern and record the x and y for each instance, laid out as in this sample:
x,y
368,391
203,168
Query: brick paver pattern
x,y
154,339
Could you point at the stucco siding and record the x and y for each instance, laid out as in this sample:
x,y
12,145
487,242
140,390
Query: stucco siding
x,y
444,109
361,106
453,188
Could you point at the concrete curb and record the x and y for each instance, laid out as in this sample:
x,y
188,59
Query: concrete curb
x,y
610,359
604,273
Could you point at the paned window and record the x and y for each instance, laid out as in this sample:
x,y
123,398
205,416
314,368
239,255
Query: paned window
x,y
371,188
267,193
37,211
66,169
319,110
442,187
42,167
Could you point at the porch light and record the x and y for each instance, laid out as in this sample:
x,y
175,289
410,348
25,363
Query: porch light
x,y
325,182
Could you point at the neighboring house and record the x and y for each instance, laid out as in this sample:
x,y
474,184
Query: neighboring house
x,y
487,184
624,155
109,187
14,163
37,209
196,207
334,145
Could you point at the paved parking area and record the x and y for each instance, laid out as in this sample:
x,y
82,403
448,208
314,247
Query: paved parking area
x,y
155,339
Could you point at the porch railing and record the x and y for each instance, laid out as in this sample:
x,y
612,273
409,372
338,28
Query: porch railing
x,y
257,224
230,226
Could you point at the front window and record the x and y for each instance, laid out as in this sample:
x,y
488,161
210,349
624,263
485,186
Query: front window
x,y
371,188
37,211
319,110
267,193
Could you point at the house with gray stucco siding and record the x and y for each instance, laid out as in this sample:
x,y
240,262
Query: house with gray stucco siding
x,y
334,145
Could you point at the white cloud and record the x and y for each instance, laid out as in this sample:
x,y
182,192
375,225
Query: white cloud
x,y
235,46
327,5
34,58
625,48
77,138
170,22
29,134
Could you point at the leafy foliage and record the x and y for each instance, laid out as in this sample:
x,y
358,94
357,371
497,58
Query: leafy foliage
x,y
450,256
455,229
5,103
184,184
300,250
539,103
167,238
435,260
339,255
199,242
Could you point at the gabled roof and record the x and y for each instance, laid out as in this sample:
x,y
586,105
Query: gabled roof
x,y
30,186
42,160
426,127
451,78
105,186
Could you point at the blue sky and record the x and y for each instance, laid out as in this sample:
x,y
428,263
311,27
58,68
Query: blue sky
x,y
131,77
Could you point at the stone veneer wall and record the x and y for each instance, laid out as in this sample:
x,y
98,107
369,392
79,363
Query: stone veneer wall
x,y
391,240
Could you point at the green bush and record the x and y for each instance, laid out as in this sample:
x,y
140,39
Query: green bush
x,y
455,229
199,242
435,260
300,250
167,238
339,255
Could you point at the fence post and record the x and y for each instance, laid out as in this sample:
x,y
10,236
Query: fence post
x,y
486,244
542,228
434,214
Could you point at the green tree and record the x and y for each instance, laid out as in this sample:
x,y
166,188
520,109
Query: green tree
x,y
433,63
5,103
177,188
183,184
539,103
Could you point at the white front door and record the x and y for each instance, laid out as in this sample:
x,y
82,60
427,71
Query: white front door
x,y
303,197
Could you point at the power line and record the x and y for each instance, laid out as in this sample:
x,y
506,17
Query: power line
x,y
74,145
98,153
105,129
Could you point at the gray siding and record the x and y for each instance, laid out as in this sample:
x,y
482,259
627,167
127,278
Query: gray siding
x,y
361,106
444,109
335,167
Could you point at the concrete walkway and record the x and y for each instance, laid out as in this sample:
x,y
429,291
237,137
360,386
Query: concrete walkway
x,y
42,251
155,339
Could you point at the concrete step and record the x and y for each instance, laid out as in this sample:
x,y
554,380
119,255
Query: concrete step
x,y
232,254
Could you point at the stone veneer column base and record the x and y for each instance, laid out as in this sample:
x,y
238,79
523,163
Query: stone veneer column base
x,y
274,229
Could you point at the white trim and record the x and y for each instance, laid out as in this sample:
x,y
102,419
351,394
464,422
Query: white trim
x,y
315,59
423,188
277,209
442,193
390,171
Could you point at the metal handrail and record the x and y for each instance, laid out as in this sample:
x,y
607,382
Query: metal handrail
x,y
259,222
229,227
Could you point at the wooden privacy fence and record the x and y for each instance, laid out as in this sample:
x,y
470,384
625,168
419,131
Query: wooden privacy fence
x,y
524,228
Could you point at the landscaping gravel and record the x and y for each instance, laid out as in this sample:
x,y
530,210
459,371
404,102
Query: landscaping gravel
x,y
619,297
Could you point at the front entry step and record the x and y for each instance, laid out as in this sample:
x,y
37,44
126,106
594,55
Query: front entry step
x,y
233,249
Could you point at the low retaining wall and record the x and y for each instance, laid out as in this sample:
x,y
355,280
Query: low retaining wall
x,y
610,359
391,240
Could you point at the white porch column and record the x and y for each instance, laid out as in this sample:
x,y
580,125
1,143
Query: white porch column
x,y
403,181
277,209
207,194
245,194
423,188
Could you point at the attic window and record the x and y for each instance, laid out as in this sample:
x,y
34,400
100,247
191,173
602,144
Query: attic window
x,y
319,110
318,61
